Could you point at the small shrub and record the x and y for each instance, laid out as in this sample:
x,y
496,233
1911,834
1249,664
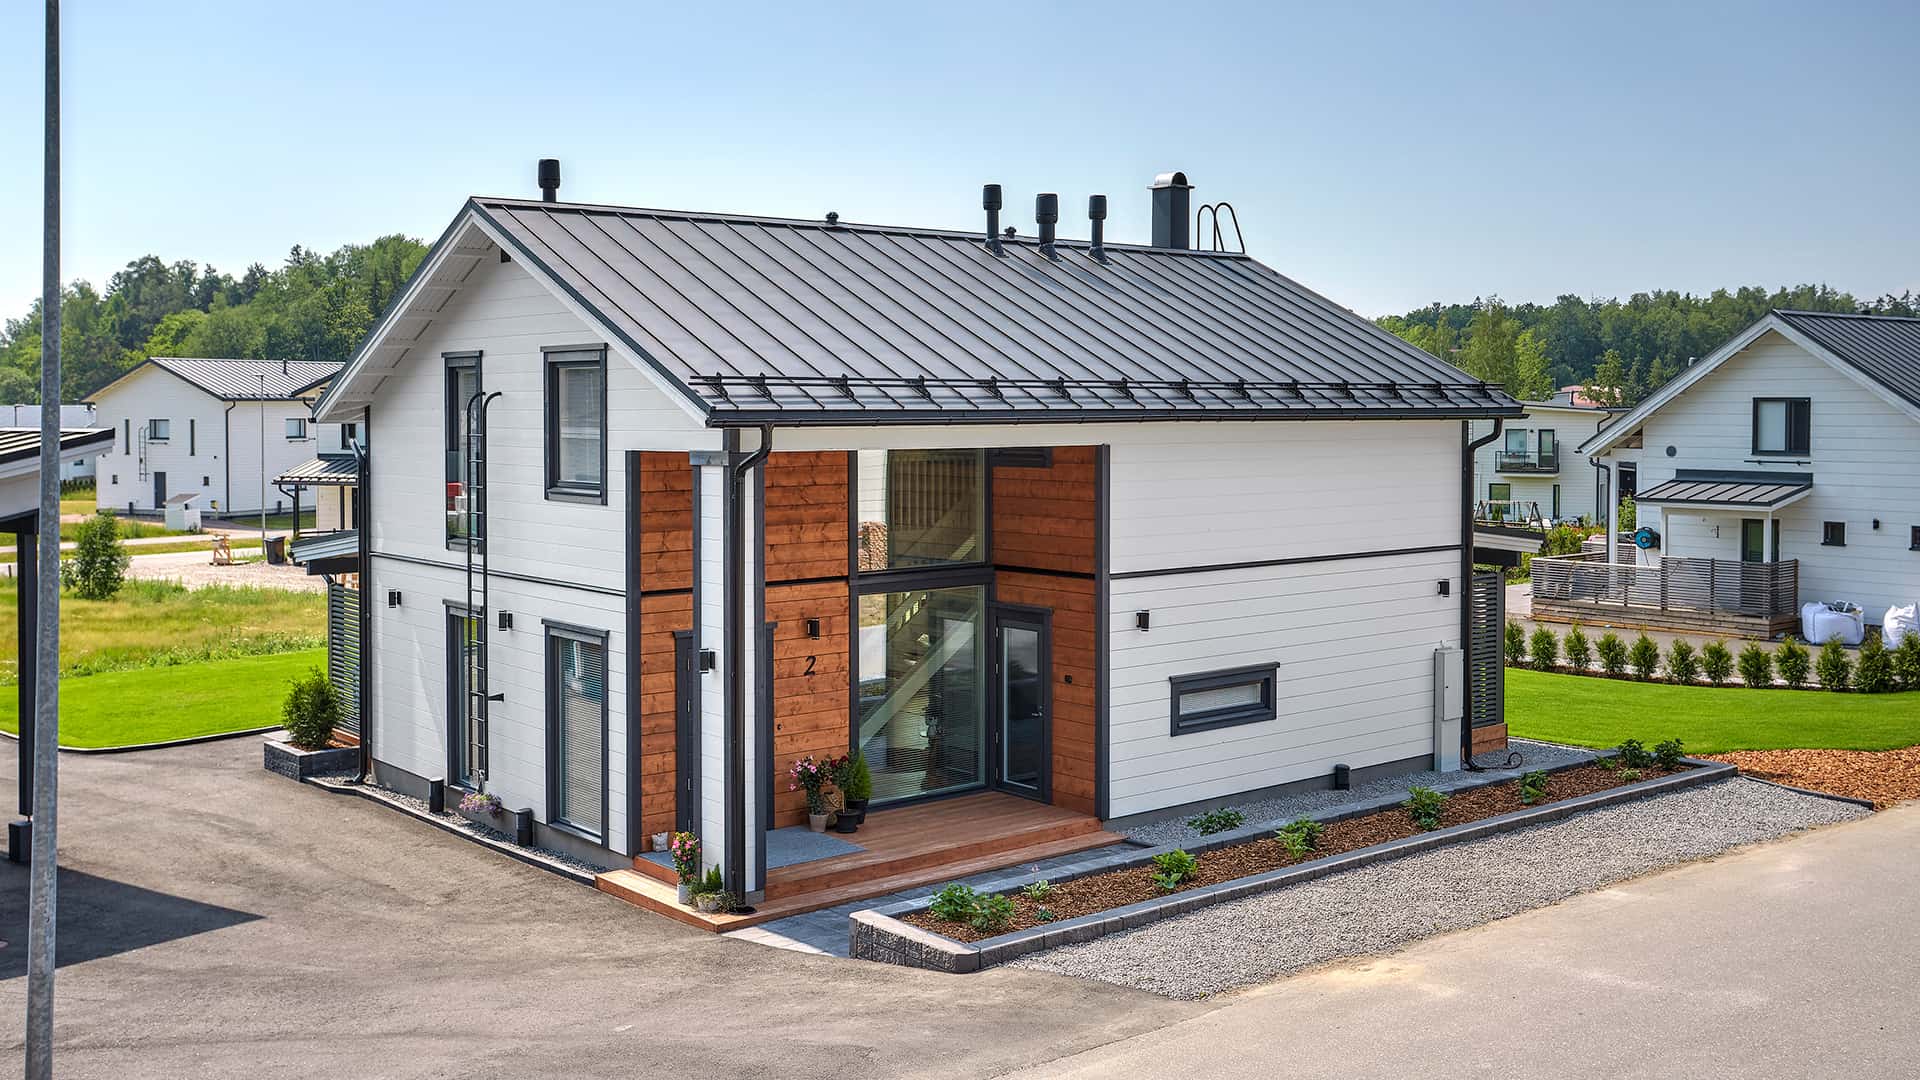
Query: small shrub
x,y
1038,891
1644,657
1756,666
1874,675
993,914
1630,775
1425,806
1793,662
1516,644
1633,755
1545,648
1216,821
712,882
1667,754
955,903
1833,666
1044,914
1532,787
1716,662
1300,836
1683,665
1608,763
311,709
1906,662
100,560
1613,654
1173,869
1579,650
1629,515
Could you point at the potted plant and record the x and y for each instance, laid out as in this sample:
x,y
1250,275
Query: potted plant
x,y
713,902
857,788
685,848
846,816
811,776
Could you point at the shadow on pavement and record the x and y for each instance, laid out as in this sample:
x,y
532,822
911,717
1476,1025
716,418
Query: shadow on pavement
x,y
100,917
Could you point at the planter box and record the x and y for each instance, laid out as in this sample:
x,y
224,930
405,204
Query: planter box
x,y
878,935
515,823
294,763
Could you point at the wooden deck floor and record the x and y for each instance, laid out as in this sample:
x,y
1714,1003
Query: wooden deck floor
x,y
904,848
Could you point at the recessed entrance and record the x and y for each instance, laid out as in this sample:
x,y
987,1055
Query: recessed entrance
x,y
1023,709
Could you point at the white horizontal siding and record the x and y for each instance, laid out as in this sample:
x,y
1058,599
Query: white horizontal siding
x,y
1579,481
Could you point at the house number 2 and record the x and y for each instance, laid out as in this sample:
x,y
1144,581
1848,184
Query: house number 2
x,y
810,661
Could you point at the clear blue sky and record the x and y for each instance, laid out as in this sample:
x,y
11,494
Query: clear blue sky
x,y
1387,157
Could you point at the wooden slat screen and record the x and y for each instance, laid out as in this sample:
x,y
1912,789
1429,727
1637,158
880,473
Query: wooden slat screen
x,y
343,653
1487,674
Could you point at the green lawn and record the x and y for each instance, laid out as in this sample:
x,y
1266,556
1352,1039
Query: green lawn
x,y
1587,711
160,704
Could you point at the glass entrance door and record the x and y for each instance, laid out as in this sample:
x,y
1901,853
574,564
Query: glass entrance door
x,y
1022,702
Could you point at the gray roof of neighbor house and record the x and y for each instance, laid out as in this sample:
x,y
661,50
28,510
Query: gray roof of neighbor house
x,y
765,320
1885,348
239,380
1731,489
19,443
327,470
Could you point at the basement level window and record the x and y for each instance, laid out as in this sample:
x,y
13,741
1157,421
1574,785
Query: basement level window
x,y
1216,699
1833,534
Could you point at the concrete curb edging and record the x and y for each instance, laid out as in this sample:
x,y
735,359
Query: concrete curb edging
x,y
191,740
578,877
878,935
1868,803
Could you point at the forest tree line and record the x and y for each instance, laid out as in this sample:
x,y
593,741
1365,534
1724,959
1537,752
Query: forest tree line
x,y
1620,350
315,307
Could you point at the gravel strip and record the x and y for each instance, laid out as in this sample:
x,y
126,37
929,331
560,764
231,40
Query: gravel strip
x,y
1379,908
1284,808
346,782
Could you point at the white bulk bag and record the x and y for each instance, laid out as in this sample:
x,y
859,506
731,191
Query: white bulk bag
x,y
1900,622
1837,620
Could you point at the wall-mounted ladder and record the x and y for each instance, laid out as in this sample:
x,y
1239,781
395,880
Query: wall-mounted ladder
x,y
474,519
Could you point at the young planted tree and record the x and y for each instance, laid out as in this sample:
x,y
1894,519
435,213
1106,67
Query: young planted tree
x,y
1579,650
1545,648
99,564
1683,665
1834,666
1716,663
1906,662
1644,657
1793,663
1756,666
311,710
1613,654
1516,644
1874,673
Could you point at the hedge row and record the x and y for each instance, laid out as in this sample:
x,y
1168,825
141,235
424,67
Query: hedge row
x,y
1876,670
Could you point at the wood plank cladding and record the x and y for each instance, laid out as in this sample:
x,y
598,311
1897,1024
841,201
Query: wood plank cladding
x,y
666,522
806,516
1047,519
1072,601
809,680
660,616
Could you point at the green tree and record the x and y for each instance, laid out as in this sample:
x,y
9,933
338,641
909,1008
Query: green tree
x,y
1489,352
99,564
1608,384
1533,371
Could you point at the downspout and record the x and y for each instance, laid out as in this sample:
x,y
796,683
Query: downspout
x,y
1606,512
1468,445
736,553
363,496
226,455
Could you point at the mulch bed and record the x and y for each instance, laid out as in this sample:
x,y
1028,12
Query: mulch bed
x,y
1118,888
1882,777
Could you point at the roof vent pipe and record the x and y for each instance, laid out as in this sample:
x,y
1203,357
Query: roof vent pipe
x,y
1172,217
990,202
1046,211
549,179
1097,213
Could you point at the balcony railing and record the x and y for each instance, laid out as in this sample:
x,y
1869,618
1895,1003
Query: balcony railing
x,y
1758,590
1522,461
1510,512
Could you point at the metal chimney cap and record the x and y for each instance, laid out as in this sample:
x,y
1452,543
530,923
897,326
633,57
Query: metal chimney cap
x,y
1169,180
1097,207
990,197
549,174
1046,208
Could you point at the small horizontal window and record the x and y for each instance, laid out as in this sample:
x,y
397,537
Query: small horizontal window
x,y
1833,534
159,430
296,428
1215,699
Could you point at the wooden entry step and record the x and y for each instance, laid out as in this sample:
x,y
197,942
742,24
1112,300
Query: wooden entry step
x,y
644,890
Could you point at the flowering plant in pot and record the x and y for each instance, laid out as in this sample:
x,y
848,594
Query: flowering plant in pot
x,y
685,848
811,776
473,802
847,815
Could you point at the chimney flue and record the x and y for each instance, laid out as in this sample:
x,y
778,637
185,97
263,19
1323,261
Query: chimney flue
x,y
1097,213
549,179
1046,211
1172,218
990,202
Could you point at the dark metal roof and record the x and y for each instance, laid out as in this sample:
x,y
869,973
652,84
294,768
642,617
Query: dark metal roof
x,y
328,552
327,470
17,443
1885,348
766,320
1757,491
239,380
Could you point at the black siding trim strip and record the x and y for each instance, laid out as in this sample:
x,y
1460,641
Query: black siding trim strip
x,y
529,578
636,834
1102,631
853,601
1299,560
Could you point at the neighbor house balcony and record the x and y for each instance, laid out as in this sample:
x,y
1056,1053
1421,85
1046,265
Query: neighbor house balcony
x,y
1527,462
1756,599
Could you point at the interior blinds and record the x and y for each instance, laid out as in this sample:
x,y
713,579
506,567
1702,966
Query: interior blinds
x,y
582,701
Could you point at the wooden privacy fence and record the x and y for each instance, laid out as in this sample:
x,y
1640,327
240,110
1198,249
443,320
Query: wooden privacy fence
x,y
1720,586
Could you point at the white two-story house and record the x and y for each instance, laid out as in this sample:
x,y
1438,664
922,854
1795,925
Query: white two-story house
x,y
1532,473
220,431
1786,465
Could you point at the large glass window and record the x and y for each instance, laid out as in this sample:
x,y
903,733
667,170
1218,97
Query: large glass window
x,y
463,382
1782,425
923,690
577,423
577,729
921,508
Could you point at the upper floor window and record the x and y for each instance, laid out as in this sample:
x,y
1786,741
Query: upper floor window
x,y
920,508
159,430
349,434
1782,425
296,429
462,390
577,424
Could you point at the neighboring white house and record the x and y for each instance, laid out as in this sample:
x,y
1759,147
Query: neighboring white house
x,y
1533,472
1130,560
202,428
1796,442
72,417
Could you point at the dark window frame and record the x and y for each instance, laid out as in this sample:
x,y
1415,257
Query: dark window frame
x,y
452,423
555,358
1913,538
302,421
1833,534
1799,427
1267,675
349,431
984,561
553,632
153,433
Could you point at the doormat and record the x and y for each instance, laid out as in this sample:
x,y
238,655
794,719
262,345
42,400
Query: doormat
x,y
790,846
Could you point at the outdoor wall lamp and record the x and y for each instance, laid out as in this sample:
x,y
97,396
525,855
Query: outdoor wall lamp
x,y
393,597
1142,619
506,620
706,661
1446,587
813,628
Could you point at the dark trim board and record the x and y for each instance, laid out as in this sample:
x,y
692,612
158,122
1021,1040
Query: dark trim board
x,y
509,575
1102,630
1296,561
633,653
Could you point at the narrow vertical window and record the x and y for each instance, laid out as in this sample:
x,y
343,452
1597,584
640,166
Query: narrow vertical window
x,y
577,729
462,388
193,436
577,424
